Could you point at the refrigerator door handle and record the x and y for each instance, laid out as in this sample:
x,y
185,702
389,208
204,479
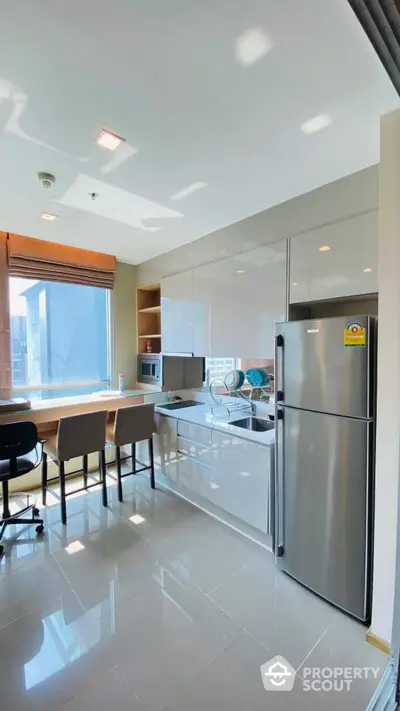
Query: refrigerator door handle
x,y
279,385
278,541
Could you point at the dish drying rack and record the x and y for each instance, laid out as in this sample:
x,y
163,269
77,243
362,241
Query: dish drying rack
x,y
221,409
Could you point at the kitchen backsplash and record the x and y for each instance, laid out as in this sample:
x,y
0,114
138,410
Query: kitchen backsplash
x,y
218,368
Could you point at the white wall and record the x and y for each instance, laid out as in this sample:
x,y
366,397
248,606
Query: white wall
x,y
353,195
388,406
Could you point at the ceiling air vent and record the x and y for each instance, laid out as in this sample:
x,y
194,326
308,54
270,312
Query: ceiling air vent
x,y
380,20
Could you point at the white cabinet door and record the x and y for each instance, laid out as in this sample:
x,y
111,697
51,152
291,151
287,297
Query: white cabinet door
x,y
165,446
193,475
264,290
194,458
237,302
177,313
203,283
348,268
241,479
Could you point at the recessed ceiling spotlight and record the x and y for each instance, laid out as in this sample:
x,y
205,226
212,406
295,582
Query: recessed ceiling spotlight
x,y
48,216
316,124
239,271
324,248
367,269
109,140
251,46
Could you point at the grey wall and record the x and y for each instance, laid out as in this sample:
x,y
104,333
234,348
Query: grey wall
x,y
344,198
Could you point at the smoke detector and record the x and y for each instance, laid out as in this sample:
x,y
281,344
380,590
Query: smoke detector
x,y
46,179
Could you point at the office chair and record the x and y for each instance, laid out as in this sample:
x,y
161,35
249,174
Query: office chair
x,y
19,454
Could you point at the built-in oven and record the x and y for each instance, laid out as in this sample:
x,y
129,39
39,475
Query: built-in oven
x,y
150,368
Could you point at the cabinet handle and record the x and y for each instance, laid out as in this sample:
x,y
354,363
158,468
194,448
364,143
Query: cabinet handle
x,y
278,538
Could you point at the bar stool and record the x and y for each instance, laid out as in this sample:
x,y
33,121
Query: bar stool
x,y
132,425
77,436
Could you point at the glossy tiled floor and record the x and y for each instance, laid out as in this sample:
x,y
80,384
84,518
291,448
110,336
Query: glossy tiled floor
x,y
153,605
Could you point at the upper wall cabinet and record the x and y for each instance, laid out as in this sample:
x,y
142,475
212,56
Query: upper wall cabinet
x,y
177,313
237,301
338,260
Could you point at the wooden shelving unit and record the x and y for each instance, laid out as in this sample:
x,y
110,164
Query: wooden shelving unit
x,y
149,317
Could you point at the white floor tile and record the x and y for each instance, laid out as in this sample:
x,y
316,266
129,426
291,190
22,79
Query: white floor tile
x,y
152,605
109,693
281,614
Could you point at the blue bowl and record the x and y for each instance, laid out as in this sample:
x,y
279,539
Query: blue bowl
x,y
254,377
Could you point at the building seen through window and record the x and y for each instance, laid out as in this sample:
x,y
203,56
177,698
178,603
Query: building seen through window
x,y
59,338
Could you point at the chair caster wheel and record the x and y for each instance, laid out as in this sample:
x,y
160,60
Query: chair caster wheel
x,y
36,512
1,550
40,529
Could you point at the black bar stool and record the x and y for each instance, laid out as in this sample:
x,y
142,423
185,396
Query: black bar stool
x,y
77,436
132,425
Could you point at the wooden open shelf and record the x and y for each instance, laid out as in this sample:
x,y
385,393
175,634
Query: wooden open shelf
x,y
151,310
149,317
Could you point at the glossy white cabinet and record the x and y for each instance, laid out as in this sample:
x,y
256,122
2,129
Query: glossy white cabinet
x,y
193,476
194,458
241,479
165,446
339,271
237,302
177,313
217,469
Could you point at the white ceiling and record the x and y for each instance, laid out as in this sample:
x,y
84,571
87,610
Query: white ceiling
x,y
166,75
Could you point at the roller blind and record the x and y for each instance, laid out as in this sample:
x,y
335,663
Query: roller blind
x,y
36,259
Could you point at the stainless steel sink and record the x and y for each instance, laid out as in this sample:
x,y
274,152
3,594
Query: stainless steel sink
x,y
256,424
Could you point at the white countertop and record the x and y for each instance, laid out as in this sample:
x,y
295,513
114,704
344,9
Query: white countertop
x,y
202,415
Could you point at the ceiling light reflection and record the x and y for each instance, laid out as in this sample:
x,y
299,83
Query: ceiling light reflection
x,y
188,190
74,547
316,124
251,46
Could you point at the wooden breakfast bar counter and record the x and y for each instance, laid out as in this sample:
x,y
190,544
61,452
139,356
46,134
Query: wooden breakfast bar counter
x,y
46,413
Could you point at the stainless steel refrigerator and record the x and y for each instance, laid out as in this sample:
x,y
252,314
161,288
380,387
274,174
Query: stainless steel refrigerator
x,y
325,432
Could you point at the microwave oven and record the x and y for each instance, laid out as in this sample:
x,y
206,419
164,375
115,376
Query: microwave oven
x,y
149,368
170,372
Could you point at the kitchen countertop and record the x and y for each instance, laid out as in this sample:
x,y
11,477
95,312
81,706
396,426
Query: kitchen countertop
x,y
202,415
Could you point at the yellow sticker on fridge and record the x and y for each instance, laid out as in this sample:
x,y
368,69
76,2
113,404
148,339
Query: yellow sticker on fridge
x,y
354,335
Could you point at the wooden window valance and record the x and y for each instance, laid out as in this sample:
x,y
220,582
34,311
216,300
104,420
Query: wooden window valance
x,y
37,259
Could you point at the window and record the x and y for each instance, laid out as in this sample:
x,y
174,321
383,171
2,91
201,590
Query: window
x,y
219,367
60,338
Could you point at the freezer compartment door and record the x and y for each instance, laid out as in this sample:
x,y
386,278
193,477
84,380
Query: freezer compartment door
x,y
318,368
323,506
